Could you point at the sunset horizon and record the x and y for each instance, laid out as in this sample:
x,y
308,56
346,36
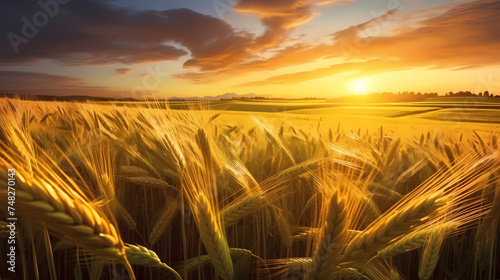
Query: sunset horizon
x,y
285,49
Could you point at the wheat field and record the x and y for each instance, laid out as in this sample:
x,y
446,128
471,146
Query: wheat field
x,y
147,192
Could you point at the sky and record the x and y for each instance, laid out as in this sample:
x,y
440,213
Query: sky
x,y
280,48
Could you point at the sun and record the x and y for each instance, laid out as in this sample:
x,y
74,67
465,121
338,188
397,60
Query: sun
x,y
359,86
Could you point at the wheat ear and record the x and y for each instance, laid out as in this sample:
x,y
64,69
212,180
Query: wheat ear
x,y
347,274
202,260
164,221
283,228
388,227
131,171
193,263
243,208
303,264
124,214
332,234
415,240
140,255
75,220
395,275
68,215
430,256
149,182
214,241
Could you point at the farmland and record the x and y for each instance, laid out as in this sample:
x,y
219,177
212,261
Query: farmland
x,y
247,189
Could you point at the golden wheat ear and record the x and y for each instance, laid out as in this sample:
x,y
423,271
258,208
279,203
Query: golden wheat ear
x,y
76,221
44,197
398,223
213,239
430,255
140,255
332,235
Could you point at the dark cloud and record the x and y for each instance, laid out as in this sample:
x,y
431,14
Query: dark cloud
x,y
46,84
122,71
96,32
213,43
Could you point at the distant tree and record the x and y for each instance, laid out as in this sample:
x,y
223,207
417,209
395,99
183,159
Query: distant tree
x,y
480,94
486,94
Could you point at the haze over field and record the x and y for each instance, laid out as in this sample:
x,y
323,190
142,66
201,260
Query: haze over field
x,y
286,48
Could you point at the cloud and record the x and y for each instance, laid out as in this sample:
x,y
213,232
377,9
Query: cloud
x,y
47,84
122,71
297,54
458,36
462,37
213,43
96,32
279,16
363,68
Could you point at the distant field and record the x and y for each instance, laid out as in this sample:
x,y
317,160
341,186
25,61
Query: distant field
x,y
464,100
470,106
399,116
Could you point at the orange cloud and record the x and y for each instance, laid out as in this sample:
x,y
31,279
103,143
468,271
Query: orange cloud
x,y
458,36
279,16
361,68
465,36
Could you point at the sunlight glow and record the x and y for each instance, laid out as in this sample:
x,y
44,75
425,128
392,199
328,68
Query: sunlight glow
x,y
360,86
